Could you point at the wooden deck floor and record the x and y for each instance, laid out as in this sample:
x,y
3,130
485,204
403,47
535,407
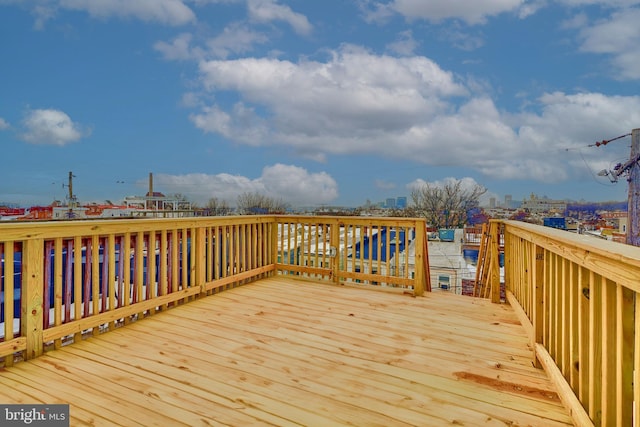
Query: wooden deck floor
x,y
285,352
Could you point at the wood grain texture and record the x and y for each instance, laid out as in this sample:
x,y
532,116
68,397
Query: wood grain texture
x,y
287,352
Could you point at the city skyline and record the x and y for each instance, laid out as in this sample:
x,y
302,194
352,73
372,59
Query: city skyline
x,y
318,105
397,202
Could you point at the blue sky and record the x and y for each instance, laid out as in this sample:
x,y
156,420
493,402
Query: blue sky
x,y
327,102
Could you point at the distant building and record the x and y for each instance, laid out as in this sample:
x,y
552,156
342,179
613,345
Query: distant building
x,y
537,205
508,201
401,202
390,203
156,204
616,222
492,202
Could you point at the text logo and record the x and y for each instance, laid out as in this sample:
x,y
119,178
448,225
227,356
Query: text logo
x,y
34,415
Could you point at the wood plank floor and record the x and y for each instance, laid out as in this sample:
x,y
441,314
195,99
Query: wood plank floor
x,y
286,352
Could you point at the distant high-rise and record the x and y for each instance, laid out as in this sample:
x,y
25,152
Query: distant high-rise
x,y
401,202
390,203
507,201
492,202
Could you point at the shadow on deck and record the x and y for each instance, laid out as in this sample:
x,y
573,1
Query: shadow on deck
x,y
288,352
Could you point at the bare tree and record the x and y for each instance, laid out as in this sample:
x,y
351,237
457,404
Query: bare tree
x,y
216,207
446,205
256,204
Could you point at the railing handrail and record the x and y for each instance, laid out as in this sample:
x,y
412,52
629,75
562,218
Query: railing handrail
x,y
585,250
28,230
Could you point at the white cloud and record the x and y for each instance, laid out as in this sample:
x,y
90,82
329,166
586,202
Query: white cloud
x,y
199,187
472,12
462,39
179,49
296,185
270,10
191,100
242,124
405,45
375,12
4,124
171,12
466,183
530,7
619,37
568,124
293,184
602,3
42,10
50,127
43,13
575,22
205,2
335,106
236,38
213,120
407,108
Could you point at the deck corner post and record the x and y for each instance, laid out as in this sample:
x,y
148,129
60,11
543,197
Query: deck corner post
x,y
420,248
31,306
274,232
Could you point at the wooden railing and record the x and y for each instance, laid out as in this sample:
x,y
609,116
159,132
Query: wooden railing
x,y
384,252
579,298
61,281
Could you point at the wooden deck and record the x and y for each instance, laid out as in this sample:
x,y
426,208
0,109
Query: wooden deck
x,y
286,352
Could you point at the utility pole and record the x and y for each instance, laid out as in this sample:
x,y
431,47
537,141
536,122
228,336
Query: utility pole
x,y
72,198
632,170
149,202
633,208
70,185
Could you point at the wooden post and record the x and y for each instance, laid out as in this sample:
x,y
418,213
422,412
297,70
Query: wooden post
x,y
537,286
110,249
494,264
8,297
276,233
633,209
477,286
427,266
77,281
334,243
31,322
200,243
419,281
625,348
